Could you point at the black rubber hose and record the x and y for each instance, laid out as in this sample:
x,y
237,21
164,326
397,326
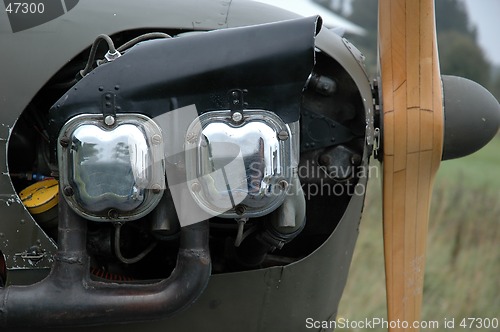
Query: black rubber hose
x,y
144,37
93,51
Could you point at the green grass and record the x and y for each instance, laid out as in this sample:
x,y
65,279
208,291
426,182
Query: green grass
x,y
463,255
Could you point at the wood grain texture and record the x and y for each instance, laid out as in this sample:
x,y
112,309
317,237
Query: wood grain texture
x,y
413,139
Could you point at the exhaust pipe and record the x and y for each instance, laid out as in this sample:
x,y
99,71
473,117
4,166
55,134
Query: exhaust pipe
x,y
68,297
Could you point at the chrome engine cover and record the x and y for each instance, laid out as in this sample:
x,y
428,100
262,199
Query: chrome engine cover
x,y
239,163
111,169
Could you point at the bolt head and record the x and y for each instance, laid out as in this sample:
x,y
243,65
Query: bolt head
x,y
64,141
113,214
109,120
240,209
156,188
68,190
237,117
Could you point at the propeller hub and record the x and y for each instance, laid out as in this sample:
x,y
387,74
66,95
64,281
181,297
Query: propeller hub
x,y
471,117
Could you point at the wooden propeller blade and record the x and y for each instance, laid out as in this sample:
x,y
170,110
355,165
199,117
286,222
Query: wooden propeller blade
x,y
412,144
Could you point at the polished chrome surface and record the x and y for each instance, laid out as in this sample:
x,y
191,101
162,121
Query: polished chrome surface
x,y
239,168
114,172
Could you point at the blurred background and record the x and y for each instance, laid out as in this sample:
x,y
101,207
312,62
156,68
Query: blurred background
x,y
463,263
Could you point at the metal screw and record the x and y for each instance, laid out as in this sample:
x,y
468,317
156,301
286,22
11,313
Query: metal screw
x,y
68,191
283,184
156,188
64,141
237,117
156,139
283,135
113,214
109,120
195,187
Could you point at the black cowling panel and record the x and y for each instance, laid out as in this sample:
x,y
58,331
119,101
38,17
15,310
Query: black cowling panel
x,y
272,62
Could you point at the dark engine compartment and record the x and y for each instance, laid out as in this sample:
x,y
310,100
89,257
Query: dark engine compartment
x,y
332,125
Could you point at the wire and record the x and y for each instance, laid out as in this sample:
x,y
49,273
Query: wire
x,y
147,36
93,51
118,252
112,51
241,236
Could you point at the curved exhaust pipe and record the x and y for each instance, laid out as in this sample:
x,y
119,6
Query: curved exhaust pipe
x,y
68,297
